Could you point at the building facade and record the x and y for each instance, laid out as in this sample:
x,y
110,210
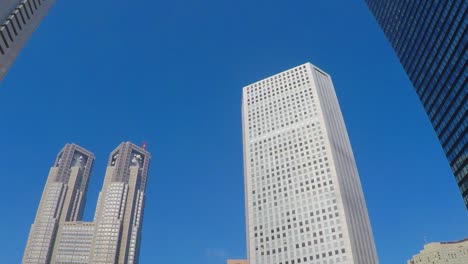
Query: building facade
x,y
304,201
59,235
19,19
443,253
74,242
62,201
431,40
119,212
237,261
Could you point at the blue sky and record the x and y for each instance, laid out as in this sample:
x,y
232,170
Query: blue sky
x,y
171,73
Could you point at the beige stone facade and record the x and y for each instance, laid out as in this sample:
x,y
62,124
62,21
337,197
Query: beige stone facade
x,y
62,202
237,261
444,252
58,234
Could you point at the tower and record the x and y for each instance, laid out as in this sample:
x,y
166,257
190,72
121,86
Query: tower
x,y
304,201
62,201
119,211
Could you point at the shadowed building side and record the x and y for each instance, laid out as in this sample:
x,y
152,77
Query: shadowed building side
x,y
18,20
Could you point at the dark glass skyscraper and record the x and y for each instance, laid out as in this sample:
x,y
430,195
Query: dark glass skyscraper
x,y
430,39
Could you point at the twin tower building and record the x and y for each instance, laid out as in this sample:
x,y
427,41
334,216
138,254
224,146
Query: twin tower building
x,y
303,196
58,234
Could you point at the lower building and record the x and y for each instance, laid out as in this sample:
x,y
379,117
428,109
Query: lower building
x,y
443,253
237,261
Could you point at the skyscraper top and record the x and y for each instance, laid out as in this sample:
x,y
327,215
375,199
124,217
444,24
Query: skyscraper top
x,y
126,155
70,156
281,74
131,145
72,147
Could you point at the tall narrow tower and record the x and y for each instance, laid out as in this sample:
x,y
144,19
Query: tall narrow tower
x,y
304,201
63,200
119,212
18,20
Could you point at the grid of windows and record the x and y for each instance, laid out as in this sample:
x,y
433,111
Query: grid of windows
x,y
294,213
430,38
75,243
41,241
109,223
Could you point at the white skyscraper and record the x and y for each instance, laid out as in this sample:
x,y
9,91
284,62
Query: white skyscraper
x,y
304,201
